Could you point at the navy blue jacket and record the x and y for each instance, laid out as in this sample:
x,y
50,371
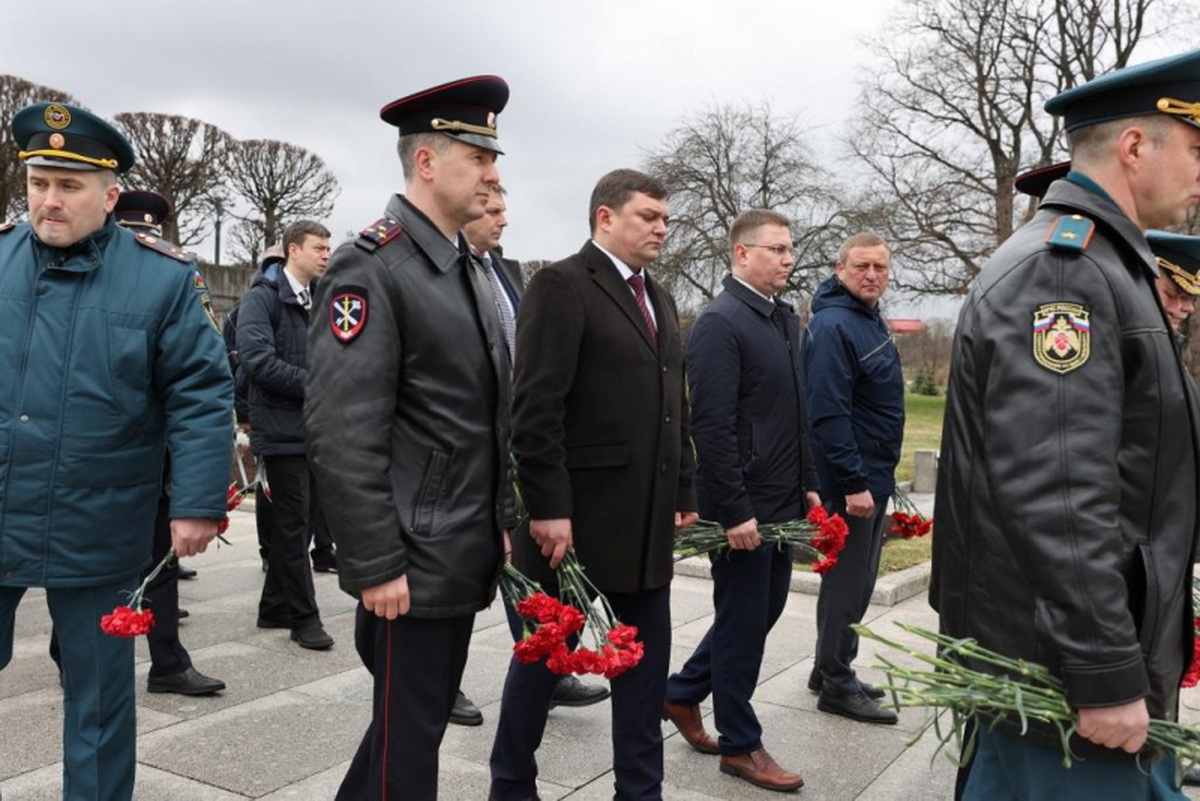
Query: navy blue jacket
x,y
271,331
855,394
748,415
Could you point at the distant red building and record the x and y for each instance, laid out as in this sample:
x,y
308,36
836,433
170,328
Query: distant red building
x,y
901,326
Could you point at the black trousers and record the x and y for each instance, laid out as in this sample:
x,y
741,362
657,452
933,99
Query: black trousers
x,y
264,521
750,589
322,539
844,597
417,664
288,594
637,700
167,654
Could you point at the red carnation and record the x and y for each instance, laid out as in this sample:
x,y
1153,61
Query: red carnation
x,y
127,622
825,565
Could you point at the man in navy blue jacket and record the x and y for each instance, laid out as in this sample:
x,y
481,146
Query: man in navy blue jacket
x,y
748,425
856,412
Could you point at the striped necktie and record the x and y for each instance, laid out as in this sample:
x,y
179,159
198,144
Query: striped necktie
x,y
638,282
507,321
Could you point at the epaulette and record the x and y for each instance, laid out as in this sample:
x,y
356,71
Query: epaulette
x,y
6,227
1071,232
163,246
378,234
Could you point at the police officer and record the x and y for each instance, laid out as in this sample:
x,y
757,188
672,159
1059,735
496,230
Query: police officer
x,y
111,360
1066,499
407,340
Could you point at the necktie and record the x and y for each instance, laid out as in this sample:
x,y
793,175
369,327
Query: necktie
x,y
305,299
507,321
638,283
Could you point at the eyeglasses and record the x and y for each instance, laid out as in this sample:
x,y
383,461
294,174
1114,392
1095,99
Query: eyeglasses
x,y
779,250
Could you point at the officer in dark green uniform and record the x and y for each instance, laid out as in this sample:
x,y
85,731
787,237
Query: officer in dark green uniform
x,y
110,359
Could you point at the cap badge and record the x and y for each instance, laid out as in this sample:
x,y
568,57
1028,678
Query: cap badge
x,y
57,141
57,116
148,217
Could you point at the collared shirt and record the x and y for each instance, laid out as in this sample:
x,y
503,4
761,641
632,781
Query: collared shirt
x,y
295,284
768,298
626,274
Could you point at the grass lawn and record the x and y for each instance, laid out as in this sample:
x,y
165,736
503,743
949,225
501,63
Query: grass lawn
x,y
922,430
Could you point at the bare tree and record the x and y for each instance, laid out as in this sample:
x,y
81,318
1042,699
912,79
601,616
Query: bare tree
x,y
728,159
15,94
281,182
954,113
184,160
247,241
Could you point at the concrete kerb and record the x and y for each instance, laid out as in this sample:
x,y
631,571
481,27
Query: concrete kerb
x,y
890,589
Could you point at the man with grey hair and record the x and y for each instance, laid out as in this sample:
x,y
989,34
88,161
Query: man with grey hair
x,y
406,410
856,410
1066,498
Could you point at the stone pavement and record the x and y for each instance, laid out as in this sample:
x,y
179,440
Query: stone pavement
x,y
291,719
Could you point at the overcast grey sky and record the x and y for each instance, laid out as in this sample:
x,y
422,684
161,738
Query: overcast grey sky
x,y
593,85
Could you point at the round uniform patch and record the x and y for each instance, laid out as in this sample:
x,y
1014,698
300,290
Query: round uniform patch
x,y
57,116
348,313
1062,336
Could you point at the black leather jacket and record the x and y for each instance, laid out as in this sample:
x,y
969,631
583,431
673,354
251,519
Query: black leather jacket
x,y
1067,499
408,422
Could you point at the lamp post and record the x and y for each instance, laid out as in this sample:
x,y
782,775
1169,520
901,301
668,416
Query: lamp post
x,y
220,207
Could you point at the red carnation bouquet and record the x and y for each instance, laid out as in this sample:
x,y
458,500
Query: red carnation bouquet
x,y
820,535
549,623
908,521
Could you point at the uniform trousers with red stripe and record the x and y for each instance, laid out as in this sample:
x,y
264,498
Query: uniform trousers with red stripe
x,y
417,664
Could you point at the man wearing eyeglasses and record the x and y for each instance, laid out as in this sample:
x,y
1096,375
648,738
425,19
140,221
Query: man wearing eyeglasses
x,y
753,466
856,412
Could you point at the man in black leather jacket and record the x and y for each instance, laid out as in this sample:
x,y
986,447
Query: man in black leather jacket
x,y
1067,490
406,410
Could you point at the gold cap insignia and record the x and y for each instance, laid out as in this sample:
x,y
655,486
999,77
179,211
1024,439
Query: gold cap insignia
x,y
148,217
57,141
57,116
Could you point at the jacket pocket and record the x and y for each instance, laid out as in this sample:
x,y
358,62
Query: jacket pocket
x,y
1144,601
129,365
429,494
586,456
747,442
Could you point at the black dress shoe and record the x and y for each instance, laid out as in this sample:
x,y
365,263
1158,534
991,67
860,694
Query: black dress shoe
x,y
570,691
184,613
189,682
186,573
856,706
465,713
324,563
815,682
313,637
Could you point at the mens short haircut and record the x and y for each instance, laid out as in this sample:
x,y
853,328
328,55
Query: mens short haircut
x,y
294,234
1089,142
614,190
750,221
863,239
409,144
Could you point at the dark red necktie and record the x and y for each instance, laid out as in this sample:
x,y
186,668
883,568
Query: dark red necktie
x,y
639,292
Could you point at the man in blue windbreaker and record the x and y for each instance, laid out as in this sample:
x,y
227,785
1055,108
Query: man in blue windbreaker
x,y
110,356
856,410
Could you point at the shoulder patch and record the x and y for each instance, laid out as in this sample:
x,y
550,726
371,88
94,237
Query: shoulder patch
x,y
378,234
162,246
348,313
5,227
1062,336
1071,232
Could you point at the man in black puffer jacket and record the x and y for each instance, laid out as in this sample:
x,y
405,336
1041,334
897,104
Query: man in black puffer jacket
x,y
271,329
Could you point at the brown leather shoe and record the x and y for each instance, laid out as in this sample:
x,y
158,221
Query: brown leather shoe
x,y
687,720
760,769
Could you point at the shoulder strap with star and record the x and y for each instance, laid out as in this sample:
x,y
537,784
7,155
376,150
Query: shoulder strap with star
x,y
378,234
163,246
1071,232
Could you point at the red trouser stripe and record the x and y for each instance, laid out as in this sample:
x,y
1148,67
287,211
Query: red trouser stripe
x,y
387,707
